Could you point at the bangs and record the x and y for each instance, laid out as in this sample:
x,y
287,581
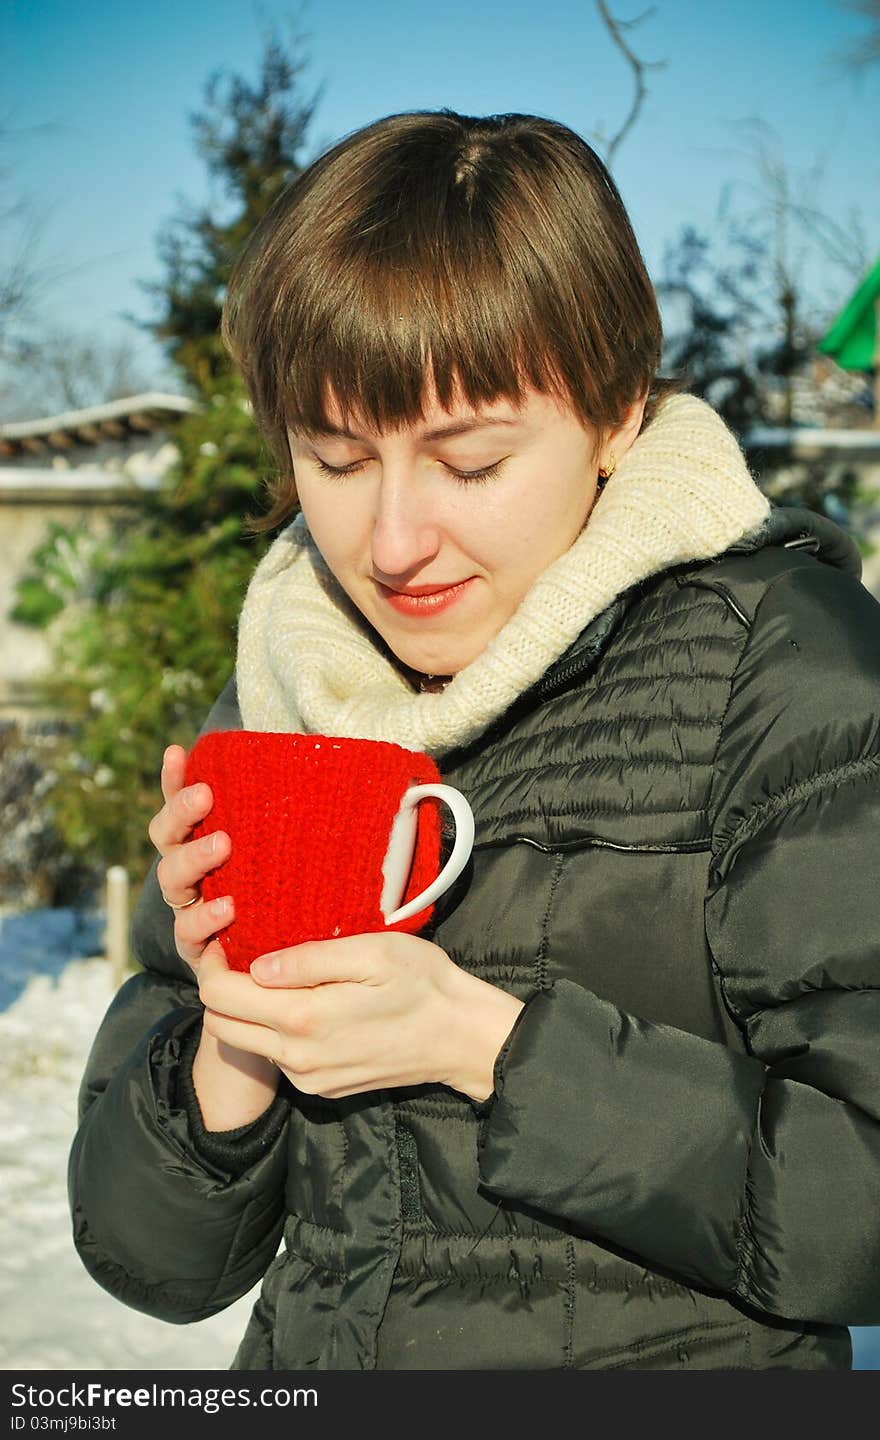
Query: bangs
x,y
379,369
423,301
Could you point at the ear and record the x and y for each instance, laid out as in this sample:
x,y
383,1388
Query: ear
x,y
620,439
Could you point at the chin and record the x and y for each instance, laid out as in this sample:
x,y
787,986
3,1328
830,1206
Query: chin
x,y
437,654
424,666
448,663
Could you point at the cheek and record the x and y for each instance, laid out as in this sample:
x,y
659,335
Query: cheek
x,y
488,527
508,547
332,524
523,530
564,507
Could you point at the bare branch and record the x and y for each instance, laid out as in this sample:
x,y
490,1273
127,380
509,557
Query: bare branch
x,y
24,275
791,206
844,245
614,28
68,370
861,54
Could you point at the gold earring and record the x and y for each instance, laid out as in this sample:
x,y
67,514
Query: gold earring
x,y
606,471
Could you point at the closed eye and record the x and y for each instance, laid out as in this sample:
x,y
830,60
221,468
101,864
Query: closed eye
x,y
465,477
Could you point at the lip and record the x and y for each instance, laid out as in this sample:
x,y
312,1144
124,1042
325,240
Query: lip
x,y
422,589
423,599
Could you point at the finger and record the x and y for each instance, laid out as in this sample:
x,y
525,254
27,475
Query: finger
x,y
291,1058
172,772
173,824
182,869
321,962
193,955
196,926
233,993
172,780
185,805
242,1035
305,1069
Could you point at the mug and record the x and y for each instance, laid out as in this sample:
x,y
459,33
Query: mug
x,y
330,836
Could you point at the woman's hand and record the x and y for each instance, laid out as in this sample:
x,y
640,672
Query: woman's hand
x,y
186,862
365,1012
233,1086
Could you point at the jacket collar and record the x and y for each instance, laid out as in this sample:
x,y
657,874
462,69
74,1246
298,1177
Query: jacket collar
x,y
798,528
792,527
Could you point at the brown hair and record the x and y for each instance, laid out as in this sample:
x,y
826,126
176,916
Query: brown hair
x,y
489,252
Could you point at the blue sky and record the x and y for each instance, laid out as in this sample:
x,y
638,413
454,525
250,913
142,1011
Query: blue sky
x,y
95,98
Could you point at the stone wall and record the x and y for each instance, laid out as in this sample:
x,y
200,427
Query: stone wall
x,y
25,651
81,483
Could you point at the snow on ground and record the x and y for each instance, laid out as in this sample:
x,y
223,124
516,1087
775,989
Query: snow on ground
x,y
52,1314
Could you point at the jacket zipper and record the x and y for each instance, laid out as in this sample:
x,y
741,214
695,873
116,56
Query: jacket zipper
x,y
408,1168
806,541
561,677
671,847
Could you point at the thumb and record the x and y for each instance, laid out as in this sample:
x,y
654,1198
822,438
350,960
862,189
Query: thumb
x,y
211,954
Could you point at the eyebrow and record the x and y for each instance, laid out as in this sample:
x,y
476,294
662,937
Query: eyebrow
x,y
443,432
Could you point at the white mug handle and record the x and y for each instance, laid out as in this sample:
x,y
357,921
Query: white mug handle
x,y
402,844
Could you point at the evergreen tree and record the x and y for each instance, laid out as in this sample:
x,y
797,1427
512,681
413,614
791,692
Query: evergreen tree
x,y
143,618
250,138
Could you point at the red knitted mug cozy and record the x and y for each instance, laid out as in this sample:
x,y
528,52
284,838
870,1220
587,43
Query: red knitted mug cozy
x,y
309,818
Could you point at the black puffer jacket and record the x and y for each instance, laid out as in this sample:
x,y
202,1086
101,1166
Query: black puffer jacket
x,y
678,835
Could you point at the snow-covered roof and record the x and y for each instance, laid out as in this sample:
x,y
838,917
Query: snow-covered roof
x,y
132,415
45,484
807,439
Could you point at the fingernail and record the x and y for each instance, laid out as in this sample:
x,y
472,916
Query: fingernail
x,y
266,967
221,907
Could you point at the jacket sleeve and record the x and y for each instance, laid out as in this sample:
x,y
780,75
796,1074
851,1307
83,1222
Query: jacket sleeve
x,y
756,1174
169,1218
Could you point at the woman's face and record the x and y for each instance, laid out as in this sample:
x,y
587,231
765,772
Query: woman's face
x,y
398,518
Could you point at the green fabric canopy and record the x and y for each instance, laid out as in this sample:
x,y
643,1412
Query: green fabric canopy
x,y
852,339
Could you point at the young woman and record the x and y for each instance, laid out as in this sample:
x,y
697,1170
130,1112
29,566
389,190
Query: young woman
x,y
619,1109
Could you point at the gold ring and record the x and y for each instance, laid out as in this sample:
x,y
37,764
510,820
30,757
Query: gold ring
x,y
178,907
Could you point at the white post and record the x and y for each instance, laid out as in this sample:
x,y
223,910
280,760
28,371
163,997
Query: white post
x,y
116,941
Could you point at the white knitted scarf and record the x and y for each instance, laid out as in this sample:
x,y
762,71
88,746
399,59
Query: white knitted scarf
x,y
309,662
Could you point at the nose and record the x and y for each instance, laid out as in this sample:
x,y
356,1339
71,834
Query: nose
x,y
406,534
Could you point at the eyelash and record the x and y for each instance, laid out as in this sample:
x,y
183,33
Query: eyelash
x,y
464,477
